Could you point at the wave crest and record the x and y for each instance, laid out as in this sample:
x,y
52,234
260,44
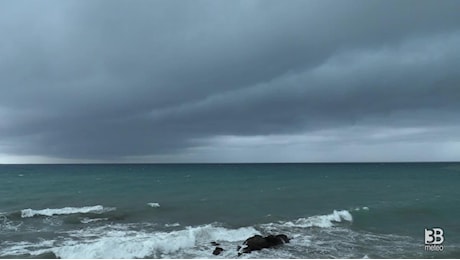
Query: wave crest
x,y
118,242
98,209
321,221
154,204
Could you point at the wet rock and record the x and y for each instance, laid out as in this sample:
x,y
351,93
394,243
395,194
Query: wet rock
x,y
258,242
217,251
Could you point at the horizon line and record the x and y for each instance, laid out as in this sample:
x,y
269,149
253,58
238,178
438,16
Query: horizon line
x,y
220,163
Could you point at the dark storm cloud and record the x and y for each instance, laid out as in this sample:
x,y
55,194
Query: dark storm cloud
x,y
108,79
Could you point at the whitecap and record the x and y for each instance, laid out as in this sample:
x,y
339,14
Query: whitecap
x,y
322,221
90,220
98,209
172,225
154,204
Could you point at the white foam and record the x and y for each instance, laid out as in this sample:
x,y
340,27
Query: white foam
x,y
136,241
172,225
154,204
90,220
22,248
213,233
322,221
53,221
139,244
8,225
362,208
126,241
27,213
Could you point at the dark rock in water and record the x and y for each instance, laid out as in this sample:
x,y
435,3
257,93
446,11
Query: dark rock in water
x,y
258,242
217,251
278,239
46,255
215,243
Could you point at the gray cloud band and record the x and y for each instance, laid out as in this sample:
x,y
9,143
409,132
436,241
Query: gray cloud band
x,y
109,79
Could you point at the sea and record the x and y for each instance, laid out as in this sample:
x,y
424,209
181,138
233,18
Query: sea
x,y
330,210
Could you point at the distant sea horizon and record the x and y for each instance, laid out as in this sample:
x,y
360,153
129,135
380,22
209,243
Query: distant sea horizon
x,y
279,162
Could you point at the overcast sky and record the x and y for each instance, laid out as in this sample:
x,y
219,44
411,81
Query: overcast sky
x,y
229,81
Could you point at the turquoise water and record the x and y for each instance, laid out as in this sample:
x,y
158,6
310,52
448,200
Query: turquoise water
x,y
141,210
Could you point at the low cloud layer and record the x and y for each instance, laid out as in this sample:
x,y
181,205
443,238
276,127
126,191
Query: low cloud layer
x,y
206,81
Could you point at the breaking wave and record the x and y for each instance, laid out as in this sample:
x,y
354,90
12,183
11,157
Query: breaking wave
x,y
98,209
322,221
320,236
118,241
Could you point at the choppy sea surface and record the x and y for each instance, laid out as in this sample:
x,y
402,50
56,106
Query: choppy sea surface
x,y
371,210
